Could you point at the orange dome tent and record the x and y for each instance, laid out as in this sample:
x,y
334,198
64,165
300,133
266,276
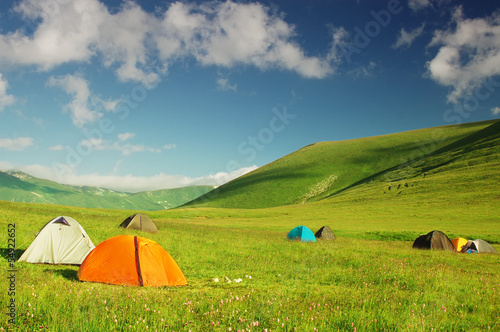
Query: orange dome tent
x,y
459,242
131,260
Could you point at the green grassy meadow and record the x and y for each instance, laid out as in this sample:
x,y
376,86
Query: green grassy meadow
x,y
369,279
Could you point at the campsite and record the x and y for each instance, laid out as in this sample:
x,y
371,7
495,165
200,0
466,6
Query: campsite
x,y
242,273
249,165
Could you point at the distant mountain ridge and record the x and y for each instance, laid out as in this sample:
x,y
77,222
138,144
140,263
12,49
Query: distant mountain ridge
x,y
17,186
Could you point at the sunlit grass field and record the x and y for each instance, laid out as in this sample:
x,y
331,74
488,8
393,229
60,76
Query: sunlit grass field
x,y
369,279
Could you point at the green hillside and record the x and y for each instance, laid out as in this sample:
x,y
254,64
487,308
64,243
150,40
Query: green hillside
x,y
466,154
21,187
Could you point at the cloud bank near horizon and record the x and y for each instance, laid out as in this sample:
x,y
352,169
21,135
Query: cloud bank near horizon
x,y
129,183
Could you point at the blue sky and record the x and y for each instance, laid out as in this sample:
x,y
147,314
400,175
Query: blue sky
x,y
145,95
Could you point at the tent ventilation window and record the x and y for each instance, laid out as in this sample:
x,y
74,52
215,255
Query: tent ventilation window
x,y
61,221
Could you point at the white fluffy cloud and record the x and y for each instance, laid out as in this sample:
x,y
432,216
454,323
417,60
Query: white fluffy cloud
x,y
77,87
406,38
469,52
418,4
58,147
130,40
125,136
64,31
339,39
123,39
227,33
16,144
128,183
109,104
495,110
224,84
126,149
5,98
84,107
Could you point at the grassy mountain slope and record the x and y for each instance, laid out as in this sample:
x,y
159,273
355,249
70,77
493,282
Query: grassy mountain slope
x,y
326,169
21,187
460,178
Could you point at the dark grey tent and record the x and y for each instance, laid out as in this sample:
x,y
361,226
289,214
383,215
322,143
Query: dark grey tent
x,y
325,233
479,245
434,240
141,222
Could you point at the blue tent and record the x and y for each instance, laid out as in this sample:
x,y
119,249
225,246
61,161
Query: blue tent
x,y
301,233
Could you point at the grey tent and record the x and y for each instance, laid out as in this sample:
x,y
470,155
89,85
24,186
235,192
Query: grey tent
x,y
325,233
479,245
61,241
141,222
434,240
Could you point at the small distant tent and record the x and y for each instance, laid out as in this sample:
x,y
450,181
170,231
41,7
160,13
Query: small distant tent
x,y
61,241
131,260
141,222
325,233
480,246
458,243
434,240
301,233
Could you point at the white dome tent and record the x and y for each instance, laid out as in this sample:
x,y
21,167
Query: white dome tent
x,y
61,241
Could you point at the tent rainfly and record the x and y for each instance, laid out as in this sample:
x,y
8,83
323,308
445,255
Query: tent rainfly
x,y
141,222
459,243
325,233
302,234
434,240
131,260
61,241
